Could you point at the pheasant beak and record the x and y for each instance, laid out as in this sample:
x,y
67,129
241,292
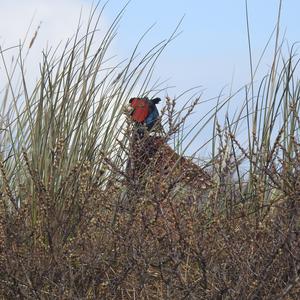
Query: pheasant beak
x,y
128,110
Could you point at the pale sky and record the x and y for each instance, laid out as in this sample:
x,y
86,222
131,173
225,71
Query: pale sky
x,y
213,45
211,50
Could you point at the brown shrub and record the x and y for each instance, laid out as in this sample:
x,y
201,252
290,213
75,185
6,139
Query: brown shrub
x,y
85,243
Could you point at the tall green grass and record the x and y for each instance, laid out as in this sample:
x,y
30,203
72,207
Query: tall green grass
x,y
74,113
